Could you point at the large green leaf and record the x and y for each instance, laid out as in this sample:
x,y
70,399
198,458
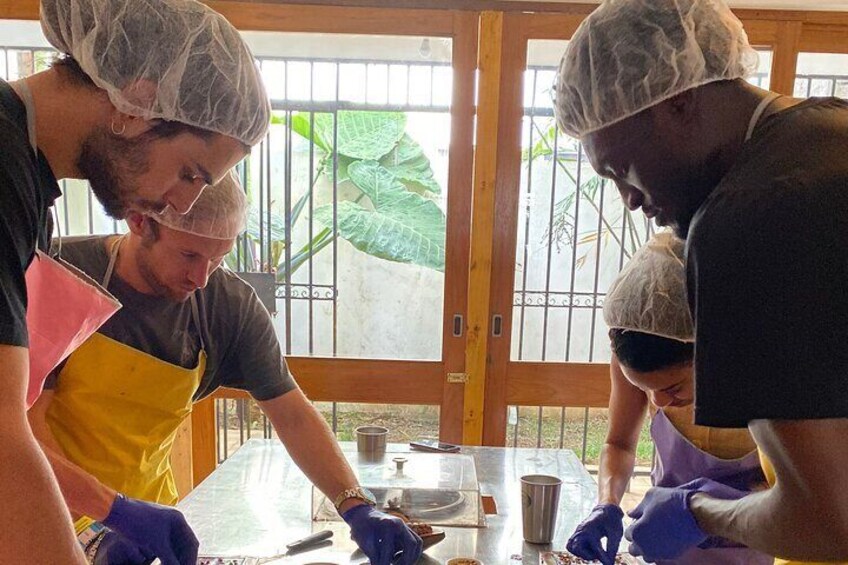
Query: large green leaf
x,y
404,226
375,181
361,135
409,164
301,125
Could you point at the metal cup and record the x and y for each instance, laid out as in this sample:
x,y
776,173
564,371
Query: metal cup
x,y
371,439
539,503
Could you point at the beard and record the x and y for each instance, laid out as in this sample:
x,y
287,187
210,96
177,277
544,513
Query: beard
x,y
110,163
701,180
159,287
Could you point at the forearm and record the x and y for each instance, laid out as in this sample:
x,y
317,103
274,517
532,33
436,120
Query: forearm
x,y
310,442
773,523
83,492
614,472
34,518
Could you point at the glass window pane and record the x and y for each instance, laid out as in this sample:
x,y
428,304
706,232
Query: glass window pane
x,y
762,77
367,157
821,74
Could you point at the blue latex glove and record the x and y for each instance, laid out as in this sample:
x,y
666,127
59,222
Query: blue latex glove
x,y
381,536
664,526
158,530
605,521
115,549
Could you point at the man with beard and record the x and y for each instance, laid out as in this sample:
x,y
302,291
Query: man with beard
x,y
151,102
186,328
758,182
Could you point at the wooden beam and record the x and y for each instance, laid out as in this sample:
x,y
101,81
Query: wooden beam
x,y
558,384
482,223
258,16
821,38
508,183
28,9
362,380
204,445
762,33
785,58
458,231
19,10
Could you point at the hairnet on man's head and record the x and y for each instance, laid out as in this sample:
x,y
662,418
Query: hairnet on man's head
x,y
220,212
175,60
649,294
630,55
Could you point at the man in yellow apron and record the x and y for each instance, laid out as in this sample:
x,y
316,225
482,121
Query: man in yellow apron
x,y
125,110
187,328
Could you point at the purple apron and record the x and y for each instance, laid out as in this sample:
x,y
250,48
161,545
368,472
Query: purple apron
x,y
679,461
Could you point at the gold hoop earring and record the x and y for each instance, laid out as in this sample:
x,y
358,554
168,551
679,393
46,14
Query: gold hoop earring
x,y
116,132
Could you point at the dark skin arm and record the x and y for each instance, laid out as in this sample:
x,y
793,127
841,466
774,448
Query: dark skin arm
x,y
805,515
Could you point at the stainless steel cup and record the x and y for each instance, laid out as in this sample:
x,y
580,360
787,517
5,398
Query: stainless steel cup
x,y
371,439
539,502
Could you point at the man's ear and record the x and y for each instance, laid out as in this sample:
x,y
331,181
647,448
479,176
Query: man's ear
x,y
139,94
677,114
135,222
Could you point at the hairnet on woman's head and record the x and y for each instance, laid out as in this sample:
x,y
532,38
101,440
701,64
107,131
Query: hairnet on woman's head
x,y
649,294
220,212
629,55
174,60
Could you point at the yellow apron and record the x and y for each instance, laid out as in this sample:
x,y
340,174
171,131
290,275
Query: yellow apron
x,y
768,470
116,411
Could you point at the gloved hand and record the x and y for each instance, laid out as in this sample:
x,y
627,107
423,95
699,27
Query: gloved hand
x,y
605,521
115,549
381,536
664,526
158,530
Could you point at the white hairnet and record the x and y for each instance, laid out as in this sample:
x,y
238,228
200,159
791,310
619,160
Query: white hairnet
x,y
175,60
629,55
220,212
649,295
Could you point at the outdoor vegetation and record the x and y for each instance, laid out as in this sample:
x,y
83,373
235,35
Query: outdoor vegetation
x,y
385,185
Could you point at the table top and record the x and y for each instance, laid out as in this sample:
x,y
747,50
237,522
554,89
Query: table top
x,y
258,500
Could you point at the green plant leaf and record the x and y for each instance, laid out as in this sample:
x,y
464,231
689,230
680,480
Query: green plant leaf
x,y
278,225
404,226
367,135
544,146
300,124
343,164
361,134
408,163
374,180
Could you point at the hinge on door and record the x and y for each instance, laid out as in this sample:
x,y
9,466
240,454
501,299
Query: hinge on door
x,y
457,378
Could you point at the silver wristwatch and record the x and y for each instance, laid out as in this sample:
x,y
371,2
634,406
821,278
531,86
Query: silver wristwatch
x,y
359,493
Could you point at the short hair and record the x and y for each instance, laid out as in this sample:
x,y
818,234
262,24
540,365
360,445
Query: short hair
x,y
645,352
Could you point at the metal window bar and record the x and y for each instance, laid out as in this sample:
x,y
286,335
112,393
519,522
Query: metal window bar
x,y
828,84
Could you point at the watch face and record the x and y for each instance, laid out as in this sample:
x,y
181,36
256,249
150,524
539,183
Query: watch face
x,y
369,496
